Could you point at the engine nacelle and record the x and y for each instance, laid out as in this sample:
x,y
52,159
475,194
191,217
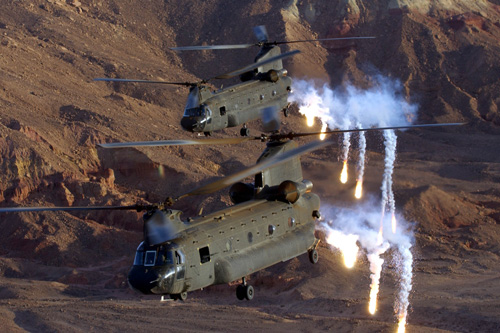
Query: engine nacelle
x,y
290,191
241,192
273,75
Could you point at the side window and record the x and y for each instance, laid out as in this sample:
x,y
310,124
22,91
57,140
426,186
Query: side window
x,y
258,180
204,254
178,258
180,267
150,258
222,110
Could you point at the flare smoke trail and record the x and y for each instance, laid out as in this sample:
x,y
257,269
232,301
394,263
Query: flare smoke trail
x,y
363,221
361,163
390,142
381,105
405,264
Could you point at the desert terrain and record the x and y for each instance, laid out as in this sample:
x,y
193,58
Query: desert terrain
x,y
64,271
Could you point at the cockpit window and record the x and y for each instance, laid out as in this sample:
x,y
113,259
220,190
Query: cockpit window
x,y
165,257
150,258
194,112
139,255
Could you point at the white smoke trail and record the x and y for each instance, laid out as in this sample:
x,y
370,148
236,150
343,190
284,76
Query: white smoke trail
x,y
405,264
390,141
363,222
361,163
362,153
346,143
381,105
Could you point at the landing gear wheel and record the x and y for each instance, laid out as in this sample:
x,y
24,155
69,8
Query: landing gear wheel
x,y
182,296
313,256
244,131
286,112
249,292
207,133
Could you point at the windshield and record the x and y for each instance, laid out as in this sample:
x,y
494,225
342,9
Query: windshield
x,y
154,256
194,112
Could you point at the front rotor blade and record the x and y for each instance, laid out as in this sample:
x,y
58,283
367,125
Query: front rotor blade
x,y
177,142
211,47
68,209
320,39
229,180
296,135
187,84
255,65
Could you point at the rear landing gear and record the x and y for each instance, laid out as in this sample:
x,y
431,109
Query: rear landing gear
x,y
313,256
286,110
244,131
244,290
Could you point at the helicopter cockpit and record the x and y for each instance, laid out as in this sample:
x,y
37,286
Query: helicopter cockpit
x,y
157,269
196,118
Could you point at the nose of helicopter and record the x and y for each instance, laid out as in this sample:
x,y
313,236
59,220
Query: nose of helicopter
x,y
149,280
191,124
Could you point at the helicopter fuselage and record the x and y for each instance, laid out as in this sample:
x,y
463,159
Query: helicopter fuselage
x,y
227,245
235,105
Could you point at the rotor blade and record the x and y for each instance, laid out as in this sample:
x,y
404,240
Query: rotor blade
x,y
229,180
261,33
255,65
187,84
158,229
319,39
211,47
177,142
67,209
296,135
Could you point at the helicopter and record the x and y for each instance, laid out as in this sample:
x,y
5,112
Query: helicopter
x,y
262,93
272,220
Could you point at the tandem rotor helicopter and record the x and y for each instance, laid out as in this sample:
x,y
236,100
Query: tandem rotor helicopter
x,y
262,93
272,220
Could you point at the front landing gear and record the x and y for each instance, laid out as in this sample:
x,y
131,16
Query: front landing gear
x,y
244,131
182,296
244,290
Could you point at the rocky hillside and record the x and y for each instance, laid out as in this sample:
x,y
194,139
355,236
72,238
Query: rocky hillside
x,y
53,114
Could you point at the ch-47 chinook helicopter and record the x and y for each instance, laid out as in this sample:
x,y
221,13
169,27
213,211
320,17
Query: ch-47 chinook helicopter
x,y
262,93
272,220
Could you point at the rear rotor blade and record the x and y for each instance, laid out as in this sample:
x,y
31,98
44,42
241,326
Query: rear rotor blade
x,y
296,135
319,40
211,47
229,180
177,142
187,84
256,65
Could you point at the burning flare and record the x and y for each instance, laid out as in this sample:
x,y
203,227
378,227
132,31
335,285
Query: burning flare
x,y
343,174
346,244
402,323
393,223
310,120
323,129
358,193
376,263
